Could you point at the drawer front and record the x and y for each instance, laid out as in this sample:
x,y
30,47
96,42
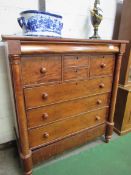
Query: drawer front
x,y
41,69
51,113
46,152
71,61
61,129
102,65
76,73
45,95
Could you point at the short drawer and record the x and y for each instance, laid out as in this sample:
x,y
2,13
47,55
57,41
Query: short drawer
x,y
76,73
51,113
61,129
45,95
73,60
41,69
102,65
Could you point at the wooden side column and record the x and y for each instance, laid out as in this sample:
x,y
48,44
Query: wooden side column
x,y
110,122
25,152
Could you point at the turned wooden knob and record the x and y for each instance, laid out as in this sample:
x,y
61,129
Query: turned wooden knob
x,y
46,135
101,85
45,116
44,96
99,102
43,70
98,118
103,65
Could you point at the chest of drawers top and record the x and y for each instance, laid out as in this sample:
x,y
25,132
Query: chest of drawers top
x,y
39,45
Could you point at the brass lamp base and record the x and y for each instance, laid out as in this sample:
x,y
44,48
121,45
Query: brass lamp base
x,y
95,37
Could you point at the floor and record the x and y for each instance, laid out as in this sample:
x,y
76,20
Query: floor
x,y
10,164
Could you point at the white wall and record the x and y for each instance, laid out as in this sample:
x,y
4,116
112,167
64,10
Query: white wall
x,y
76,18
9,11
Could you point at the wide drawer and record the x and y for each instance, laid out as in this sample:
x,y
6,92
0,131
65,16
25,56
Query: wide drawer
x,y
51,113
41,69
102,65
61,129
75,60
45,95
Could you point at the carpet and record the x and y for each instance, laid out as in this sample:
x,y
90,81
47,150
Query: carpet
x,y
113,158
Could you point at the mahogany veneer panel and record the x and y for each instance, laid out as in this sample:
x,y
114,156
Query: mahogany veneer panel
x,y
73,60
76,73
102,65
41,69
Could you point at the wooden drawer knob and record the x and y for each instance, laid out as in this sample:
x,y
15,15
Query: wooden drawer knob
x,y
103,65
102,85
99,102
46,135
45,96
98,118
45,116
43,70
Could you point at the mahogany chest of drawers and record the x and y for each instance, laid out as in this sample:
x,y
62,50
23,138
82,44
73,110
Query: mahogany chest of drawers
x,y
64,93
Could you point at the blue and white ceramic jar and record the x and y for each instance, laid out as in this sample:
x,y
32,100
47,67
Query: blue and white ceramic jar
x,y
38,23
